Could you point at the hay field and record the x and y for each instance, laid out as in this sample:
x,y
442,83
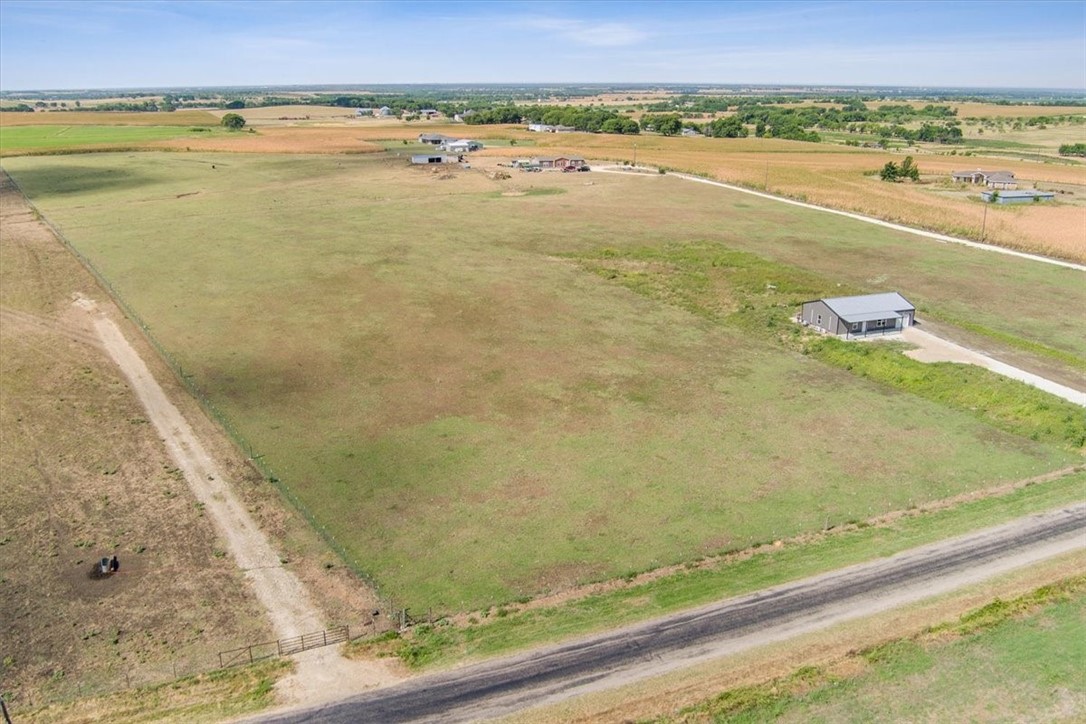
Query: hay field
x,y
475,419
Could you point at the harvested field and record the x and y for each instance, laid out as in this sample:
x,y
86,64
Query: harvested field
x,y
277,140
476,420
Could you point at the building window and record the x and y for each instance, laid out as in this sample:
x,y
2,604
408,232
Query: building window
x,y
818,321
880,322
855,326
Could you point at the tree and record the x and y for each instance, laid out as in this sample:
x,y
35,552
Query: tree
x,y
908,169
233,121
889,172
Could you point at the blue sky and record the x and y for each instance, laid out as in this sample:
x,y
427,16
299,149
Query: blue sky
x,y
57,44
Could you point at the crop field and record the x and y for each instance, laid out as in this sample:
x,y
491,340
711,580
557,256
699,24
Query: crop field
x,y
476,418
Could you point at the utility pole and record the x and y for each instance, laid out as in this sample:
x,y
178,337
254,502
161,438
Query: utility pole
x,y
766,187
984,221
635,156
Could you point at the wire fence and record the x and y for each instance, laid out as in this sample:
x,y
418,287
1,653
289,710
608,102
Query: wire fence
x,y
188,380
386,617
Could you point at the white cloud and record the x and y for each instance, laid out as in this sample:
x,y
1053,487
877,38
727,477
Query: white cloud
x,y
584,32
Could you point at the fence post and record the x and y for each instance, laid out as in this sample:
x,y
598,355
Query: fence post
x,y
250,654
324,637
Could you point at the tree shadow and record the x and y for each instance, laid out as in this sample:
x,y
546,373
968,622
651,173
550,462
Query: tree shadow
x,y
67,179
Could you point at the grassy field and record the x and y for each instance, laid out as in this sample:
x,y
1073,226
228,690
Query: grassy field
x,y
29,139
108,118
477,419
515,627
1017,660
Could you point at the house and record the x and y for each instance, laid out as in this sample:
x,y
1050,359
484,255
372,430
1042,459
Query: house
x,y
363,112
691,133
384,111
434,139
567,161
991,179
541,128
1024,196
462,146
429,113
546,162
427,158
859,316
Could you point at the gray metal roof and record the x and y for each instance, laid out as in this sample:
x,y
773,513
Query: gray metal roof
x,y
888,305
1020,194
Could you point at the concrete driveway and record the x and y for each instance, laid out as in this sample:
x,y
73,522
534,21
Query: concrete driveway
x,y
935,349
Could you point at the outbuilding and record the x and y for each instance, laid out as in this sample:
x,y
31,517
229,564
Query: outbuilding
x,y
1022,196
859,316
434,139
422,159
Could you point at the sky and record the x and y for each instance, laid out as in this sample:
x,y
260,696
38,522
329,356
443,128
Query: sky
x,y
58,44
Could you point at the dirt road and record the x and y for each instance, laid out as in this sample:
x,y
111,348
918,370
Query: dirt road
x,y
943,238
321,674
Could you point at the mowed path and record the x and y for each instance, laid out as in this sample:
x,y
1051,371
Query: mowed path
x,y
322,674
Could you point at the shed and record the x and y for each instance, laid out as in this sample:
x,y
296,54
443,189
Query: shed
x,y
464,145
425,158
1024,196
859,316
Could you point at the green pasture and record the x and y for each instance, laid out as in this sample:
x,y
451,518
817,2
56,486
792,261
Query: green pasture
x,y
475,418
24,139
1018,660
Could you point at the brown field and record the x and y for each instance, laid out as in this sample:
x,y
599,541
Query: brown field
x,y
273,113
108,118
86,475
278,139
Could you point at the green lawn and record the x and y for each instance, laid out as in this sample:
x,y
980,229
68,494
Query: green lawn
x,y
475,418
56,138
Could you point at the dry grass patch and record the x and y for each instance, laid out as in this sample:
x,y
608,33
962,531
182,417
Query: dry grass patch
x,y
277,139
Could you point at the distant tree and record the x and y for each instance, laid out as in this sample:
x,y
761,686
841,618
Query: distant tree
x,y
889,172
233,121
908,170
235,105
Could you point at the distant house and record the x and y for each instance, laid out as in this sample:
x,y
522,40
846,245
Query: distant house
x,y
429,113
541,128
544,162
991,179
435,139
423,159
859,316
691,133
364,112
566,161
1024,196
384,111
464,145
